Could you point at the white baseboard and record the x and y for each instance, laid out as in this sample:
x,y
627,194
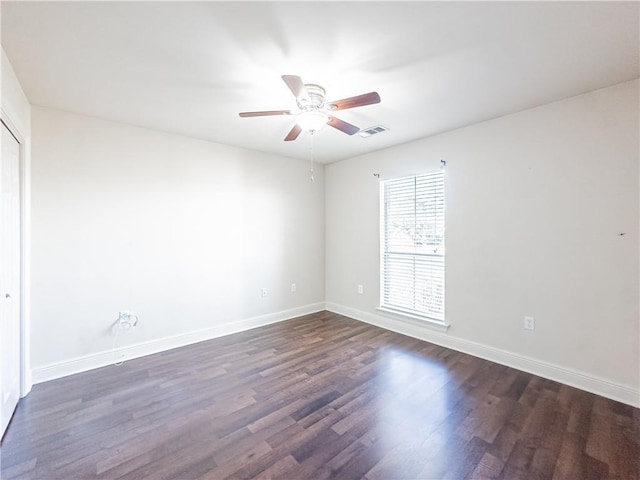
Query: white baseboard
x,y
558,373
581,380
101,359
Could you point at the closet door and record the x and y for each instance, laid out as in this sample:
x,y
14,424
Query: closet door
x,y
10,258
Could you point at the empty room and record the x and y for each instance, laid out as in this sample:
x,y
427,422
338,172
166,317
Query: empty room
x,y
320,240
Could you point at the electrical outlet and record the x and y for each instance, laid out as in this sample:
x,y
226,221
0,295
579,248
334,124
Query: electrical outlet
x,y
263,292
293,287
529,323
360,289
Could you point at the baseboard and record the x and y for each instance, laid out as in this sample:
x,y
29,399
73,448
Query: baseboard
x,y
581,380
101,359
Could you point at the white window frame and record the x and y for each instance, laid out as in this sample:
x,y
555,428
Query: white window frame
x,y
414,254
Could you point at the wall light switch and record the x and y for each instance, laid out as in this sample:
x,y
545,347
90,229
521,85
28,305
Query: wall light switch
x,y
360,289
263,292
293,287
529,323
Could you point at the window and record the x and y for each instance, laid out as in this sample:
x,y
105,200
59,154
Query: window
x,y
412,245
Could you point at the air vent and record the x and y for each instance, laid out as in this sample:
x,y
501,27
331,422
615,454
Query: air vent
x,y
367,132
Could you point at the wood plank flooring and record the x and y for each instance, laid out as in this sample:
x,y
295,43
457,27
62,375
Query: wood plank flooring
x,y
321,396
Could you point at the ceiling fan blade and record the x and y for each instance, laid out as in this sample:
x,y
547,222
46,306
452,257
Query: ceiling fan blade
x,y
296,86
351,102
265,114
293,134
342,125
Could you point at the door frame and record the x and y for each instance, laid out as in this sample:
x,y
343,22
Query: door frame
x,y
25,231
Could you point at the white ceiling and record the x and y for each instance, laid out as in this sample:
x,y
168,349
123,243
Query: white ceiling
x,y
190,67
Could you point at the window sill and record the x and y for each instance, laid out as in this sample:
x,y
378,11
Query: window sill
x,y
414,319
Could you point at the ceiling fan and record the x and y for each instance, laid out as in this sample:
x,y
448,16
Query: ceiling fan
x,y
314,111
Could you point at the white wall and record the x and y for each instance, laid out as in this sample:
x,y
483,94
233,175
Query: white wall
x,y
14,102
536,204
182,232
16,113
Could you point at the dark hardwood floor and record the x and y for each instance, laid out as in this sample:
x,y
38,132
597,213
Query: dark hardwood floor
x,y
321,396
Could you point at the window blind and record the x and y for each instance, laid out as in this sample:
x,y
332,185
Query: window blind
x,y
412,228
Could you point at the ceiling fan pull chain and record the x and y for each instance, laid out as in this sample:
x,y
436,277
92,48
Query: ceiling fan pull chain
x,y
311,166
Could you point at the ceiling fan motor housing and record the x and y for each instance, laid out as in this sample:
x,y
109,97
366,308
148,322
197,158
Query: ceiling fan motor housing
x,y
315,100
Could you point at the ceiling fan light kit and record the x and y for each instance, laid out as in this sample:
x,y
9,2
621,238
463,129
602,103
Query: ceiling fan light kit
x,y
313,110
311,121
